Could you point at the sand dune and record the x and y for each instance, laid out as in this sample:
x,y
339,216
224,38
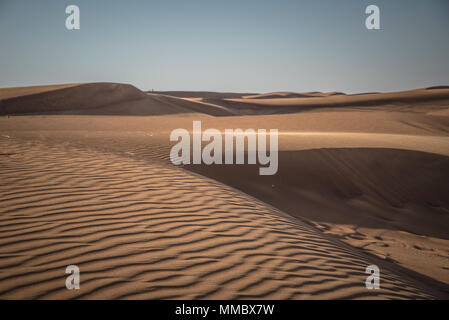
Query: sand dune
x,y
272,104
291,102
86,180
142,230
201,94
121,99
83,96
411,96
94,98
277,95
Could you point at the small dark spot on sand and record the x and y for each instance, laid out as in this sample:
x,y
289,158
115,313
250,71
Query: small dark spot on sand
x,y
432,204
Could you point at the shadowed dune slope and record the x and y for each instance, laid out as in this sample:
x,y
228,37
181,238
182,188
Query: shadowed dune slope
x,y
393,203
275,95
142,230
83,96
202,94
193,106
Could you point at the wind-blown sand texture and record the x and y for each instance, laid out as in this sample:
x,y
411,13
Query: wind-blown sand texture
x,y
88,182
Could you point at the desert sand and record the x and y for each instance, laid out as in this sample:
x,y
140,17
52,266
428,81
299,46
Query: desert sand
x,y
86,180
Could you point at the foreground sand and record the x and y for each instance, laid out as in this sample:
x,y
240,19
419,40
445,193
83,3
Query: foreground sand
x,y
355,186
143,230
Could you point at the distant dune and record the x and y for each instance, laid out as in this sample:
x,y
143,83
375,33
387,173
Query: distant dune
x,y
94,98
277,95
341,100
290,102
202,94
437,87
66,98
123,99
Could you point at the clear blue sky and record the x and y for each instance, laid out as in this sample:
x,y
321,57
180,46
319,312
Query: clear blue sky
x,y
227,45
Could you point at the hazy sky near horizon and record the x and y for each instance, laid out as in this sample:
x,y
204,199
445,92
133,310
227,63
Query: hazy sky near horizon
x,y
240,46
